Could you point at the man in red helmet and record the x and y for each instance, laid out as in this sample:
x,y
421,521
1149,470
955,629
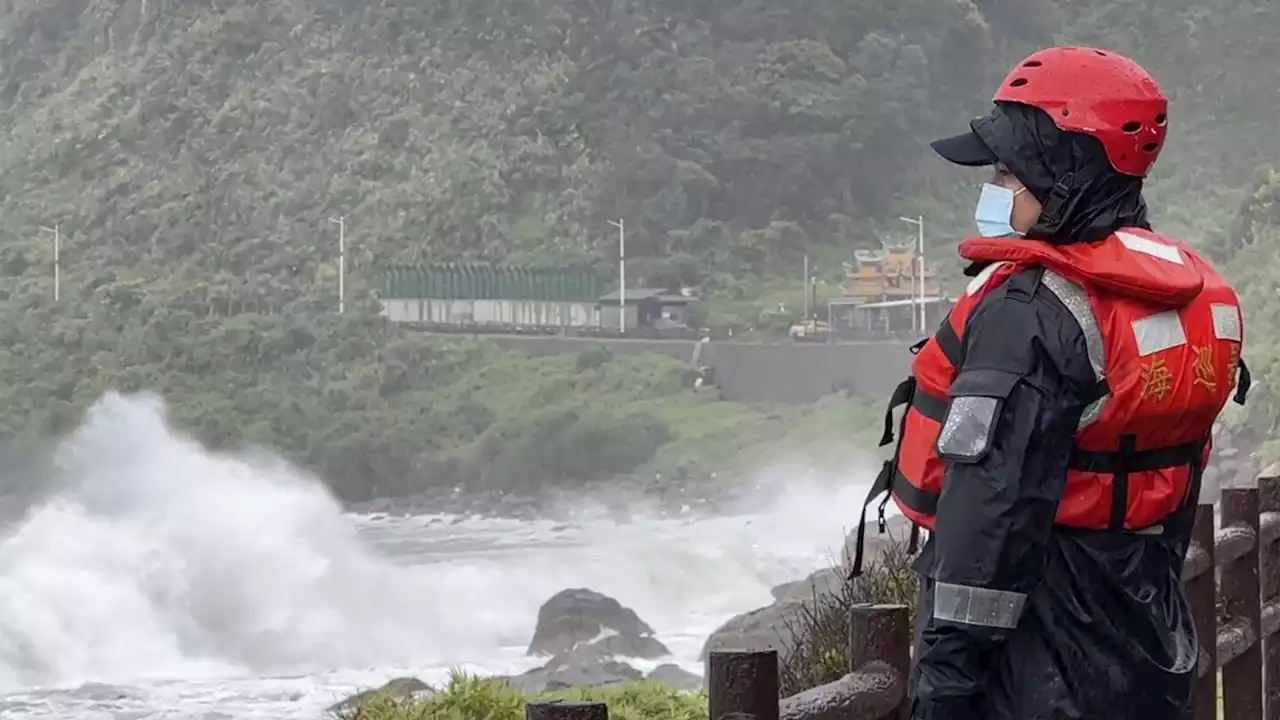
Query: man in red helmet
x,y
1058,422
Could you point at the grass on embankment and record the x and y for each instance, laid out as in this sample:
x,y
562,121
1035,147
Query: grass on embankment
x,y
472,698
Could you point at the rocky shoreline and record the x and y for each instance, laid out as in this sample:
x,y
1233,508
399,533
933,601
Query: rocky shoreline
x,y
590,639
693,491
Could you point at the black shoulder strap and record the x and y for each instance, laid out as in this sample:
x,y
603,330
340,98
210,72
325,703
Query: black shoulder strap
x,y
1243,383
902,395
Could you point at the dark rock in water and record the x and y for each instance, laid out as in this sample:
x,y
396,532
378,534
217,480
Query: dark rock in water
x,y
404,687
580,615
584,631
585,666
765,628
644,647
768,628
585,654
593,664
675,677
610,672
823,582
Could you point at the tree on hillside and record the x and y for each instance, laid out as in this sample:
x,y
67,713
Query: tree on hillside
x,y
193,153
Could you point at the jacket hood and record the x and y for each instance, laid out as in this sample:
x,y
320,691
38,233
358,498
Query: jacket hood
x,y
1084,198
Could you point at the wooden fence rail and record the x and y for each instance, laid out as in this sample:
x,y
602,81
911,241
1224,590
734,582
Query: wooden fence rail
x,y
1233,581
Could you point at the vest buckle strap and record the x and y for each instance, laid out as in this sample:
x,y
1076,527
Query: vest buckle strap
x,y
884,483
1126,460
1110,462
1120,482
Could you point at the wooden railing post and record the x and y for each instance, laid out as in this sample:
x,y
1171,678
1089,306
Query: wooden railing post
x,y
1202,591
1269,580
879,661
566,710
882,633
743,684
1242,673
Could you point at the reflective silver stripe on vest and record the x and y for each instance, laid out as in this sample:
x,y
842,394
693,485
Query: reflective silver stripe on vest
x,y
1077,302
977,606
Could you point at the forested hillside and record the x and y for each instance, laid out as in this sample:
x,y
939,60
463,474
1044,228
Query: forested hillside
x,y
191,154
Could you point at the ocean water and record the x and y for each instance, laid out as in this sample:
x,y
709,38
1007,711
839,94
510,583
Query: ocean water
x,y
159,580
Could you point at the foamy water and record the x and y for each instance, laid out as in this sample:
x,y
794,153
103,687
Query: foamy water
x,y
163,581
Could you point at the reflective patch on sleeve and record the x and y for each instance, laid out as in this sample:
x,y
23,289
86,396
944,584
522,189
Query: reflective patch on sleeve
x,y
1159,332
1226,322
966,433
977,606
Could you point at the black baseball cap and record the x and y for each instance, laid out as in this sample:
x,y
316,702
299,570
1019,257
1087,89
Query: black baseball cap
x,y
967,149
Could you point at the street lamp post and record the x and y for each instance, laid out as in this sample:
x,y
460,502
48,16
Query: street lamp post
x,y
621,224
806,287
341,222
57,269
918,221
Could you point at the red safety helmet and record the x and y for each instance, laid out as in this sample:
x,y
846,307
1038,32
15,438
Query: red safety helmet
x,y
1099,93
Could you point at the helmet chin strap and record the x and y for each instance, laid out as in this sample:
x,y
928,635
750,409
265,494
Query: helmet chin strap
x,y
1053,211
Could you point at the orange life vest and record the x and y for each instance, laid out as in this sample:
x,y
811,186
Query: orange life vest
x,y
1163,331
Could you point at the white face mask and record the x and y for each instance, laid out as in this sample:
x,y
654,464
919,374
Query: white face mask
x,y
995,211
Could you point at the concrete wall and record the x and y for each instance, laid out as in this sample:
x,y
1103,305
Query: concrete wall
x,y
790,373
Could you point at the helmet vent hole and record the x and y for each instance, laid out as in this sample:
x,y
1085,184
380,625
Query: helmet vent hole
x,y
1161,119
1018,82
1132,126
1151,147
1100,53
1065,112
1032,63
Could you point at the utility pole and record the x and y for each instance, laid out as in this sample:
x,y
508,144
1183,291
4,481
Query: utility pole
x,y
918,221
341,222
621,224
806,286
57,264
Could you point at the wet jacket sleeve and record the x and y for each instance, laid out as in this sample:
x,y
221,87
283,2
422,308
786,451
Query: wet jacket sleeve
x,y
1006,443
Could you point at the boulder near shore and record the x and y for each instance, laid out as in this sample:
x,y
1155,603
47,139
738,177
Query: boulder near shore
x,y
588,635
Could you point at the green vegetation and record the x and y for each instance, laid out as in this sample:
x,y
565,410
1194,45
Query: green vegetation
x,y
1250,249
422,412
471,698
818,651
193,154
